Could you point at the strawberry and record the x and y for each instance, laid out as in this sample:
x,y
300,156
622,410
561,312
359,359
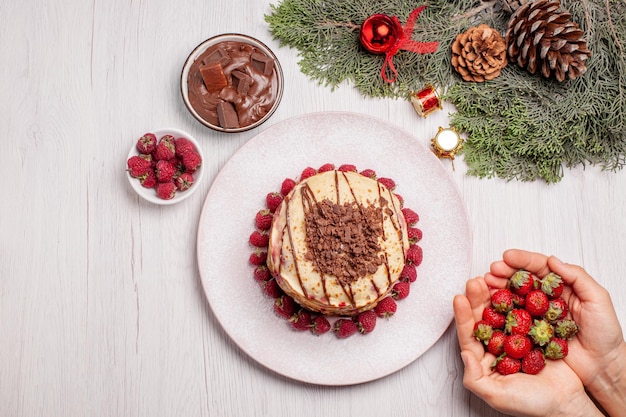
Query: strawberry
x,y
401,290
191,161
566,329
537,303
165,150
482,331
495,344
557,310
285,306
320,325
165,171
506,365
386,307
369,173
271,288
410,216
552,284
502,301
325,168
409,273
534,362
307,173
147,143
347,168
556,349
345,328
541,332
522,282
263,220
517,346
366,321
414,255
388,183
495,319
519,301
166,190
259,239
262,273
184,181
287,186
258,258
273,200
414,234
518,321
138,166
301,320
149,180
182,145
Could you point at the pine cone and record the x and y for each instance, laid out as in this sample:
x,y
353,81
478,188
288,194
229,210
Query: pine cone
x,y
512,5
542,38
479,54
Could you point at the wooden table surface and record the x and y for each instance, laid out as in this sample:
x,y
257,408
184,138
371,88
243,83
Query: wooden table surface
x,y
102,312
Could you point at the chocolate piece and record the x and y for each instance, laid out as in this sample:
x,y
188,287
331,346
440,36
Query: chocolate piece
x,y
241,82
262,63
213,77
227,115
219,55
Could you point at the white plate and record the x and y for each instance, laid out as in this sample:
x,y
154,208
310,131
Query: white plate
x,y
259,167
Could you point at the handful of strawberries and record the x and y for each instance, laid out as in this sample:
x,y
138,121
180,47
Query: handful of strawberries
x,y
526,323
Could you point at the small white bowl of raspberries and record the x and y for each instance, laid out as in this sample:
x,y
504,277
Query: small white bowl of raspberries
x,y
164,166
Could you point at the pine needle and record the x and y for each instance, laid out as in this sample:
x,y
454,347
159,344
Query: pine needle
x,y
518,126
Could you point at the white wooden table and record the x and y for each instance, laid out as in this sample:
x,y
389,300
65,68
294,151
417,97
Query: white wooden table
x,y
101,308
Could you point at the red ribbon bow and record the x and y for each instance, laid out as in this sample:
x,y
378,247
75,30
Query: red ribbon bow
x,y
405,42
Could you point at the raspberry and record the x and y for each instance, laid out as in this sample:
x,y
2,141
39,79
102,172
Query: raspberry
x,y
369,173
410,216
184,181
285,306
262,273
307,173
366,321
345,328
273,200
166,190
165,171
347,168
325,168
388,182
409,273
401,290
182,145
400,199
414,255
301,320
263,220
320,325
271,288
149,180
386,307
259,239
258,258
414,234
287,186
165,149
191,161
138,166
147,143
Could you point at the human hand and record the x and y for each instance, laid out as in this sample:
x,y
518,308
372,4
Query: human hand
x,y
598,353
555,391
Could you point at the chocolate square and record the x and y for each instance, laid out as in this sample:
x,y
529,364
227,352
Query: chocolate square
x,y
262,63
213,76
241,82
227,115
219,55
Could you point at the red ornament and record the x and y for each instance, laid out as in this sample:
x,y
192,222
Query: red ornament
x,y
382,34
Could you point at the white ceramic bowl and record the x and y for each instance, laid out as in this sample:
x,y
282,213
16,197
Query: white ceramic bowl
x,y
200,49
150,194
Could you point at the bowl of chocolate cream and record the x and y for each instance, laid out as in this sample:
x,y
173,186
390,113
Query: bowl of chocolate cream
x,y
232,83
